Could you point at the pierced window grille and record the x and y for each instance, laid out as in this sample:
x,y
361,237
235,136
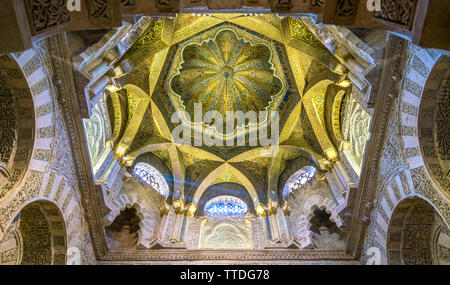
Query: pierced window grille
x,y
299,179
225,206
152,177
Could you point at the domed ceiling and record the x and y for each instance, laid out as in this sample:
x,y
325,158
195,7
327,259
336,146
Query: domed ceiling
x,y
226,62
227,72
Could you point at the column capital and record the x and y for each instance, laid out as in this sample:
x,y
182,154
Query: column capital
x,y
273,207
164,209
189,210
261,210
178,205
287,209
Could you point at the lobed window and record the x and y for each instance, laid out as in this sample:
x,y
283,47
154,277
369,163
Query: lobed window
x,y
225,206
152,177
299,178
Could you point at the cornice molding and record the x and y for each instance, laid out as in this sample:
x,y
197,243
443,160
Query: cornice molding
x,y
391,81
68,100
235,255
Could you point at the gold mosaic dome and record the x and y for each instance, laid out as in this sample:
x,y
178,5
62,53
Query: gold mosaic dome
x,y
226,73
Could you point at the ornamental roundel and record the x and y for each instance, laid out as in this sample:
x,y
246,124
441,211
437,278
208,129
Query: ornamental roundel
x,y
226,73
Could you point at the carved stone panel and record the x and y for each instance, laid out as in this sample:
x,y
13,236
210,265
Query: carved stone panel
x,y
341,12
397,12
96,14
228,233
45,15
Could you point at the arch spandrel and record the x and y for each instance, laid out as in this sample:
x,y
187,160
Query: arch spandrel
x,y
245,182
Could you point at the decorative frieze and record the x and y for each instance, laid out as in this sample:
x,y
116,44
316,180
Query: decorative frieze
x,y
411,152
42,154
413,87
433,53
419,66
405,184
409,109
409,131
31,66
44,109
423,186
46,132
40,87
47,14
397,12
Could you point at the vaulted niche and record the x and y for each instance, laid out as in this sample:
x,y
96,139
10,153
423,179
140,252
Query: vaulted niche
x,y
226,218
226,224
227,72
122,234
417,235
17,125
325,233
37,236
433,126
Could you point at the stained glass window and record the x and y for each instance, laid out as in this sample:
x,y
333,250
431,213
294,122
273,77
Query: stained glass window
x,y
152,177
225,206
299,178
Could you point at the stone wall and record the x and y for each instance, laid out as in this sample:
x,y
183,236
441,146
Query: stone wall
x,y
402,173
50,173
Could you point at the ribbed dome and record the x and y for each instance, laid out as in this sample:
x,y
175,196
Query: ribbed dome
x,y
226,73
